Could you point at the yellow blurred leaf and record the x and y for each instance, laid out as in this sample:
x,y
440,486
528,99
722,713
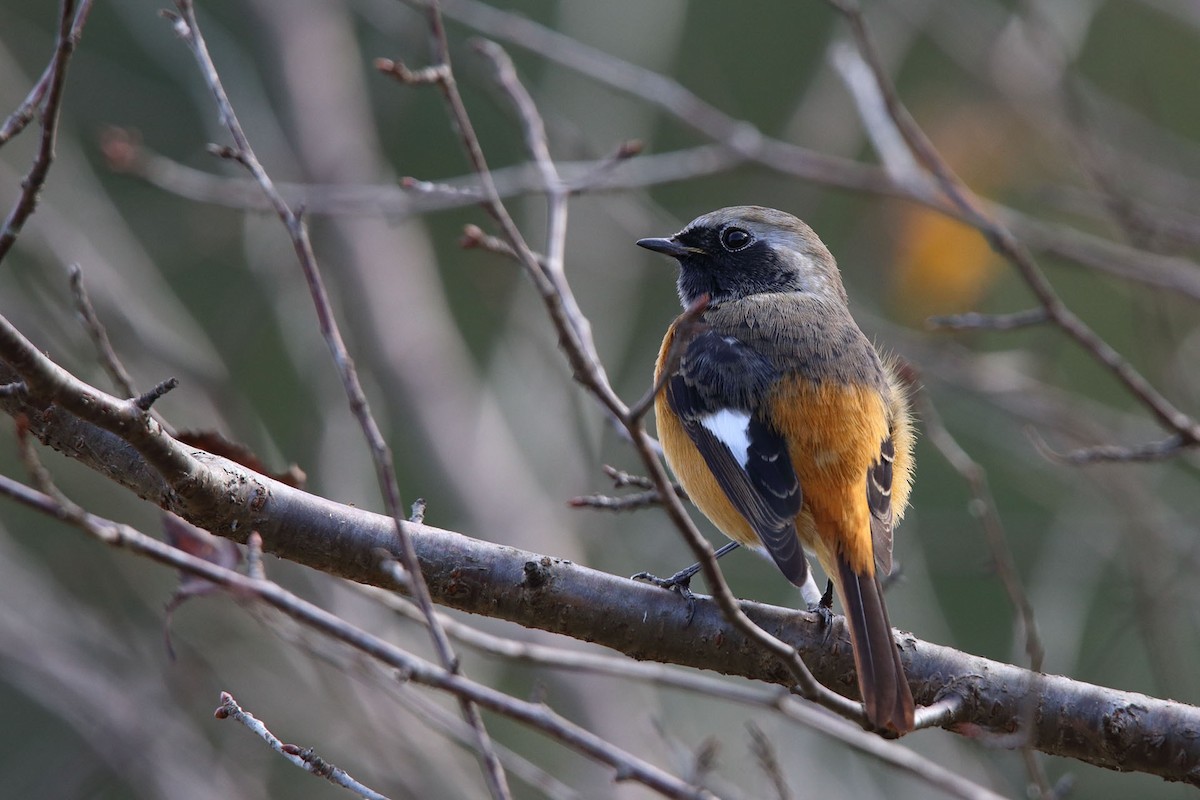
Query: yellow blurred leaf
x,y
942,266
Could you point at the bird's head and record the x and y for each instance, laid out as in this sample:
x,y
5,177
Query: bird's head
x,y
741,251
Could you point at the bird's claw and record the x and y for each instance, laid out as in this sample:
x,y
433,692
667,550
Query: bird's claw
x,y
827,598
680,583
824,607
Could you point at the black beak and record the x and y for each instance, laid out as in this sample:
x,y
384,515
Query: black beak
x,y
668,247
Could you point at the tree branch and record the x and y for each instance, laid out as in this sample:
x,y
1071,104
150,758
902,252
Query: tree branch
x,y
1005,243
49,92
304,758
576,342
413,668
189,30
1101,726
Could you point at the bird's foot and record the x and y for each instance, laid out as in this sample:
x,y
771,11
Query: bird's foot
x,y
824,607
680,583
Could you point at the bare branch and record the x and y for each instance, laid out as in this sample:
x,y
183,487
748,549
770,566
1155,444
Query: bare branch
x,y
1005,243
764,753
305,758
49,93
414,196
47,383
983,507
628,616
990,322
187,27
99,335
575,340
1108,453
629,502
622,479
436,74
145,400
958,692
536,715
28,109
767,698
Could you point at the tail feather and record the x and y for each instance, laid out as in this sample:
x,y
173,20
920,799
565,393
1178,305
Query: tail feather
x,y
881,680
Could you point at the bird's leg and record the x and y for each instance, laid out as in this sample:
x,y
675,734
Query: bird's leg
x,y
681,581
826,601
820,603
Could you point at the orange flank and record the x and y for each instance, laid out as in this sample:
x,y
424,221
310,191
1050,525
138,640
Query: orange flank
x,y
834,431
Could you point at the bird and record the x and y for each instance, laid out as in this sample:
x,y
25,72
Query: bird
x,y
785,426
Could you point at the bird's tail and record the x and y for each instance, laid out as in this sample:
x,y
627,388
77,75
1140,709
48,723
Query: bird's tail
x,y
881,681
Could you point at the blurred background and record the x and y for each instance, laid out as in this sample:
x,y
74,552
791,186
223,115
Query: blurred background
x,y
1080,119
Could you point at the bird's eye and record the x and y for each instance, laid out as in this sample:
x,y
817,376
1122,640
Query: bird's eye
x,y
734,239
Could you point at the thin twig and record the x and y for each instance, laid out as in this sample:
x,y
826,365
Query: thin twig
x,y
537,715
1006,244
628,502
1002,240
188,29
305,758
573,331
99,335
27,111
55,79
599,174
1147,453
148,398
768,760
556,192
24,114
474,238
983,507
990,322
575,341
767,698
621,478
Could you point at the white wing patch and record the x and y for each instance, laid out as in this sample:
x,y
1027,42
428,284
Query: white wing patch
x,y
732,429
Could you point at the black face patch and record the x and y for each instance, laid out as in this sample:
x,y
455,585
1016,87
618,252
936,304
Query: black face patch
x,y
732,264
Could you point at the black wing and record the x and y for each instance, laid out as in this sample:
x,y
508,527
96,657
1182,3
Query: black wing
x,y
717,391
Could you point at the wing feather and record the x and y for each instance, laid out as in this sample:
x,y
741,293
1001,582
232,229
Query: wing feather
x,y
879,500
716,391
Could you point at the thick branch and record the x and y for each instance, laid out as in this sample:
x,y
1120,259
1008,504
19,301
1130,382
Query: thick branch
x,y
1106,727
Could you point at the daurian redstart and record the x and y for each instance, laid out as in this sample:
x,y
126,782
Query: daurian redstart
x,y
785,426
